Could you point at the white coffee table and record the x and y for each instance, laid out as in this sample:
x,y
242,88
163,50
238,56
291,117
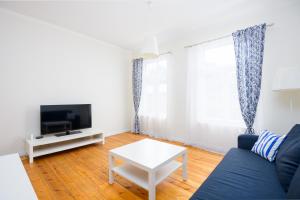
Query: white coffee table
x,y
147,162
14,182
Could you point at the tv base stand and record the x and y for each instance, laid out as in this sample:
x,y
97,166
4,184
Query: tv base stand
x,y
67,133
51,144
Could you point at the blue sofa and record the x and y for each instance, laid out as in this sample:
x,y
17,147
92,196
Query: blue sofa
x,y
245,175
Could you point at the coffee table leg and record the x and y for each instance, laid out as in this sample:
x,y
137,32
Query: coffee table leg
x,y
151,179
111,166
184,166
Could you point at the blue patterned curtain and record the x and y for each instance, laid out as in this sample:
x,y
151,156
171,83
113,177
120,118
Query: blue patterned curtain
x,y
249,50
137,72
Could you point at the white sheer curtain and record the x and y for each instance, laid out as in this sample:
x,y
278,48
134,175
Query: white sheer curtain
x,y
153,107
213,112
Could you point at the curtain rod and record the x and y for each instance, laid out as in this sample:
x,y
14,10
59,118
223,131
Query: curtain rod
x,y
218,38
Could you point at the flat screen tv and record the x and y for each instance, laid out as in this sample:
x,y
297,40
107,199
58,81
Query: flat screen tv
x,y
65,118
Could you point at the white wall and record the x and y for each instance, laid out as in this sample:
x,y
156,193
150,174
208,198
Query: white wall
x,y
282,47
44,64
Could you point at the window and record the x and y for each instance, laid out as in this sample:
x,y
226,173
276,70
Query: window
x,y
217,86
214,116
154,89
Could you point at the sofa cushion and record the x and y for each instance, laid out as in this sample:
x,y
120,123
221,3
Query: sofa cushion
x,y
294,189
241,175
288,157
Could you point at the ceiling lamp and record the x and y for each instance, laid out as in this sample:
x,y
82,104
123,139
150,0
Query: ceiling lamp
x,y
150,48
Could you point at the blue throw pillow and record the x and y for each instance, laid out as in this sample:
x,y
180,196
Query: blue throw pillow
x,y
267,145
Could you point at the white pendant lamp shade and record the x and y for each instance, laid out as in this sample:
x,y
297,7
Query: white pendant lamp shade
x,y
287,79
149,48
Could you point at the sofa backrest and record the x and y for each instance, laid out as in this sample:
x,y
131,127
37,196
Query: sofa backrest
x,y
288,157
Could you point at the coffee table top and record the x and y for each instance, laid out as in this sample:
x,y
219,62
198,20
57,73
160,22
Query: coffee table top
x,y
148,154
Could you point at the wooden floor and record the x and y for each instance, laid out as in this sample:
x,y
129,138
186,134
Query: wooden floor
x,y
82,173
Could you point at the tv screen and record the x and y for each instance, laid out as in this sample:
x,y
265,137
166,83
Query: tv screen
x,y
65,118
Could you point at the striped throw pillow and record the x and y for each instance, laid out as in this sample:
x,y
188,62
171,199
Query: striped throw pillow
x,y
267,145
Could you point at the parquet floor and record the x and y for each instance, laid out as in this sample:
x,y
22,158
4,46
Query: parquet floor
x,y
82,173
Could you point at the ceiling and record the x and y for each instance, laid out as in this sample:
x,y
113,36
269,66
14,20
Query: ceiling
x,y
127,22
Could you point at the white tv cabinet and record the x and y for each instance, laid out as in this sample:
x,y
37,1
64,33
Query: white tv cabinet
x,y
51,143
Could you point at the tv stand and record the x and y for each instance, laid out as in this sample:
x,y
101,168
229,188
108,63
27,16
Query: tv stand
x,y
67,133
52,143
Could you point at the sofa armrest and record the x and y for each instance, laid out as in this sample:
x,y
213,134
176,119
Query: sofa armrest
x,y
246,141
